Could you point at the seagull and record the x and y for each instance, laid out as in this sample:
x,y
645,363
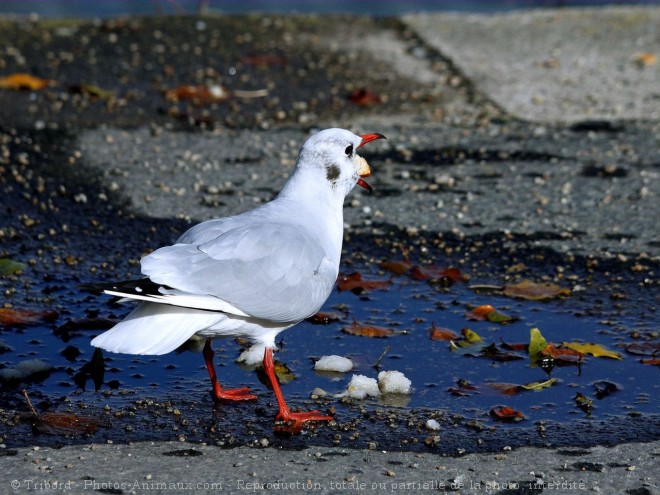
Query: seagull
x,y
251,275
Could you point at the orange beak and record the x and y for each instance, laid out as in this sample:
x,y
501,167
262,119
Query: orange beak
x,y
364,169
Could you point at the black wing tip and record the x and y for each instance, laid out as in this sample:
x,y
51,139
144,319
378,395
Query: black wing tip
x,y
142,286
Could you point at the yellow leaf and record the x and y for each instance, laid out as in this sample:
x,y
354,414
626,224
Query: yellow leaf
x,y
540,385
593,349
471,336
22,81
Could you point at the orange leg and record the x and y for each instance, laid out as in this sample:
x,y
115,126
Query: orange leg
x,y
220,393
285,413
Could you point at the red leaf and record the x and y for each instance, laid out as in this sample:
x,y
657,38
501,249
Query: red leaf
x,y
354,283
504,413
200,94
363,97
651,361
264,60
18,317
517,346
505,388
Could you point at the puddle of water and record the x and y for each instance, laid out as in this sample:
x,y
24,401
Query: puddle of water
x,y
406,305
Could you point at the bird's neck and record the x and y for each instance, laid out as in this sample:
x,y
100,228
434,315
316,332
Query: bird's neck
x,y
319,204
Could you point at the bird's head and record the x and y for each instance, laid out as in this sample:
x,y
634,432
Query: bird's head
x,y
331,156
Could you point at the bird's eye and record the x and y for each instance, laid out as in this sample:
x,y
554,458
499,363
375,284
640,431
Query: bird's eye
x,y
349,150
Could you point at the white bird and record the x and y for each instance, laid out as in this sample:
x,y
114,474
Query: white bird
x,y
251,275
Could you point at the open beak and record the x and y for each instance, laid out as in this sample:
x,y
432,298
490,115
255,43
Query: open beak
x,y
363,167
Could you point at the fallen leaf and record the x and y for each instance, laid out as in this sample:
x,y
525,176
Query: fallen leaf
x,y
283,373
55,423
563,356
651,361
363,97
464,389
400,267
605,388
593,349
496,354
533,291
583,402
536,386
264,60
505,388
200,94
10,267
488,313
471,336
66,424
367,330
22,317
324,318
479,313
439,333
470,345
643,348
645,59
504,413
537,344
23,81
91,90
357,285
427,272
516,346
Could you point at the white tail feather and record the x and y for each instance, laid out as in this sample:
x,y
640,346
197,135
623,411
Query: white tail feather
x,y
153,328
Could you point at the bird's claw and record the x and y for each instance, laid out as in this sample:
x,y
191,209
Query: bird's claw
x,y
234,394
293,422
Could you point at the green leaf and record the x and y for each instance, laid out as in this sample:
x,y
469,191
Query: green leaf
x,y
536,344
536,386
10,267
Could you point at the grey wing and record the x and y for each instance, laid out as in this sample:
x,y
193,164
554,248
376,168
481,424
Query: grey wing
x,y
276,272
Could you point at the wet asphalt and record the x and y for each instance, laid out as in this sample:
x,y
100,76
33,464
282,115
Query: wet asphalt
x,y
500,133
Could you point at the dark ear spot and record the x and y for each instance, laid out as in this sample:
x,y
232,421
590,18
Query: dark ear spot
x,y
332,173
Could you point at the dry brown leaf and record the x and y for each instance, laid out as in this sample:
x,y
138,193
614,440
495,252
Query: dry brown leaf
x,y
324,318
439,333
568,356
400,267
356,284
533,291
20,317
367,330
